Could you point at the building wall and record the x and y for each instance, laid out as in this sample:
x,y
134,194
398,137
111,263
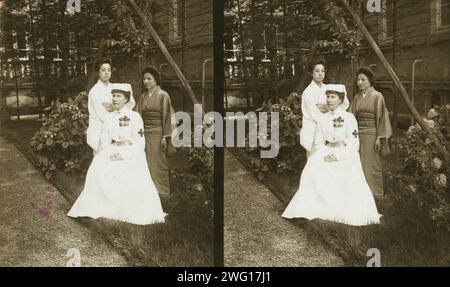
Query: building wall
x,y
415,38
189,54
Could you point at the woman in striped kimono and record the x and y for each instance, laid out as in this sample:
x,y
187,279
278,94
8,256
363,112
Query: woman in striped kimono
x,y
374,128
156,111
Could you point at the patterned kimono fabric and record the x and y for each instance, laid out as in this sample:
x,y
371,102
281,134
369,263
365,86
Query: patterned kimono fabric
x,y
373,122
156,111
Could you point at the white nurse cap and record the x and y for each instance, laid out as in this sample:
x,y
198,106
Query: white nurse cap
x,y
121,87
336,88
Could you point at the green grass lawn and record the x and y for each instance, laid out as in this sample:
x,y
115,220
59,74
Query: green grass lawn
x,y
185,239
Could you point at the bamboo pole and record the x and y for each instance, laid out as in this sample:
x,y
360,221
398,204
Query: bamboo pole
x,y
165,52
169,59
396,81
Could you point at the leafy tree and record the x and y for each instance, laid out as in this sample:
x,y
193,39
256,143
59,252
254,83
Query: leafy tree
x,y
102,27
281,30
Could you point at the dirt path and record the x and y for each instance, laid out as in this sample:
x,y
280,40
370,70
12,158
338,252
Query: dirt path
x,y
255,232
34,228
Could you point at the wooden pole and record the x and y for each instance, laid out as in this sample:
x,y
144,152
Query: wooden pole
x,y
166,53
396,81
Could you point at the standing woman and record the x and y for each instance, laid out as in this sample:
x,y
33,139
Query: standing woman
x,y
313,104
374,128
100,104
156,111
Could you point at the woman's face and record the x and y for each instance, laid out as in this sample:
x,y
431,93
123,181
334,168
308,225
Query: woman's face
x,y
104,73
333,101
119,100
149,81
318,73
363,82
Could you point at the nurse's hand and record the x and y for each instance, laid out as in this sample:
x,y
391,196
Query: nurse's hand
x,y
115,157
163,144
122,143
330,158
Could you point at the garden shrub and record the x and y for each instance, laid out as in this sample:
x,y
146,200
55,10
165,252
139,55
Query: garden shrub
x,y
61,141
420,179
291,155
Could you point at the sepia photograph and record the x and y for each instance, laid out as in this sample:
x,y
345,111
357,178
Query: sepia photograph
x,y
353,97
89,172
281,133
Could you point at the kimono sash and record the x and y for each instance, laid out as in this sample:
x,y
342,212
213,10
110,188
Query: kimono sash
x,y
152,121
366,120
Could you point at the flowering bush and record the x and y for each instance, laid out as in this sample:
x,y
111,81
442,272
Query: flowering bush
x,y
61,141
291,155
422,175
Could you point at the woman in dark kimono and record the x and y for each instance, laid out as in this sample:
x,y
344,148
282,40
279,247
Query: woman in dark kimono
x,y
156,110
374,126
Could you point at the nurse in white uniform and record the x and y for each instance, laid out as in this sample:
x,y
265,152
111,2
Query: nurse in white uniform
x,y
118,182
332,185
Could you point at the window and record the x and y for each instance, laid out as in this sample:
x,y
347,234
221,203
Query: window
x,y
20,44
445,13
387,21
440,15
176,20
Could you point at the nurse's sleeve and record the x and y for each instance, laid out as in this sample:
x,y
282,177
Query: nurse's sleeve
x,y
95,106
352,134
309,108
138,138
351,138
